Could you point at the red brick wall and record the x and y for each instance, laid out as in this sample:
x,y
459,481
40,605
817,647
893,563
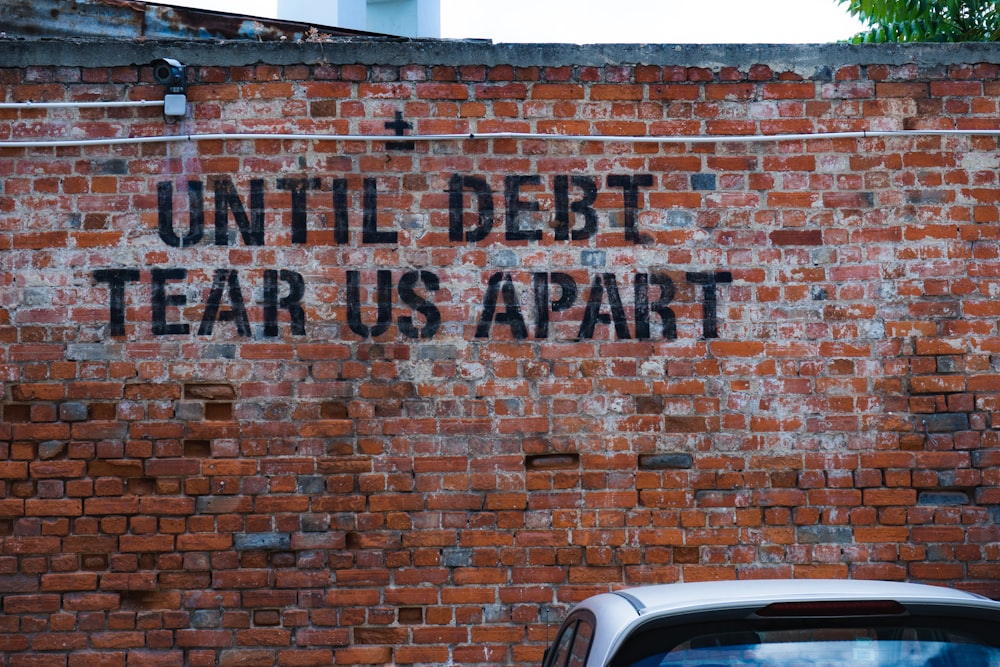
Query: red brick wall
x,y
284,401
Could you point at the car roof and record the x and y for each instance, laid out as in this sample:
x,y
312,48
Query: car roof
x,y
663,597
618,612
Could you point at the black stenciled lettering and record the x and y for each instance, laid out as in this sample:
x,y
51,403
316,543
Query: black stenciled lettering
x,y
430,312
341,225
226,282
383,298
543,305
227,199
298,187
584,207
161,301
196,208
515,205
708,281
399,126
630,191
661,306
292,302
369,226
456,208
116,280
500,285
593,315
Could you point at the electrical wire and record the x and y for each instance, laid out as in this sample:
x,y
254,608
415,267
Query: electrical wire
x,y
253,136
638,139
80,105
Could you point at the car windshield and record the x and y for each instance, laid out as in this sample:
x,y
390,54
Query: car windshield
x,y
861,645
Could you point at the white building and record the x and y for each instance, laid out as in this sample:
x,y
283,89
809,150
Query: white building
x,y
407,18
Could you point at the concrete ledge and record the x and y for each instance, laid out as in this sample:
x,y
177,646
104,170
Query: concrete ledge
x,y
803,58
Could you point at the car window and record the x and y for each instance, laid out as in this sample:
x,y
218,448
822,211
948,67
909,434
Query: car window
x,y
861,650
562,646
573,645
926,643
581,644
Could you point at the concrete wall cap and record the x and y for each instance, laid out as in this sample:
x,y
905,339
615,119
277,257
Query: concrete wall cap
x,y
437,52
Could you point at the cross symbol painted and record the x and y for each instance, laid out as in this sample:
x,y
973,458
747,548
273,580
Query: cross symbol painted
x,y
399,126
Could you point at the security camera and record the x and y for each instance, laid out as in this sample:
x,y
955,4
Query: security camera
x,y
173,75
170,73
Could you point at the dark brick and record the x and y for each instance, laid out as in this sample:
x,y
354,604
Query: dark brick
x,y
262,541
666,461
945,422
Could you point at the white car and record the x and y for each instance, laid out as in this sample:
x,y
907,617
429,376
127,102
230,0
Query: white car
x,y
781,623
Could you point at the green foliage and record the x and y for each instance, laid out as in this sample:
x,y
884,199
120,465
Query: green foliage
x,y
926,20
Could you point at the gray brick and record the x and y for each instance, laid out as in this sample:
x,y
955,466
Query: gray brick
x,y
311,484
504,258
942,498
314,523
594,258
437,352
92,352
220,351
677,218
206,618
51,449
189,411
456,557
946,422
702,181
825,534
73,411
666,461
262,541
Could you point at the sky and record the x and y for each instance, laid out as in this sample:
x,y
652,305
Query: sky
x,y
618,21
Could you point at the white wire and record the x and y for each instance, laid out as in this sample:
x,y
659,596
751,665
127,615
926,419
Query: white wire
x,y
673,139
251,136
76,105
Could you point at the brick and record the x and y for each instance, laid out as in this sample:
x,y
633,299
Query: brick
x,y
938,384
363,655
247,657
326,637
82,581
666,461
788,90
409,655
811,237
91,601
62,508
882,497
19,583
453,91
13,469
616,92
562,91
155,658
31,604
204,638
262,541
